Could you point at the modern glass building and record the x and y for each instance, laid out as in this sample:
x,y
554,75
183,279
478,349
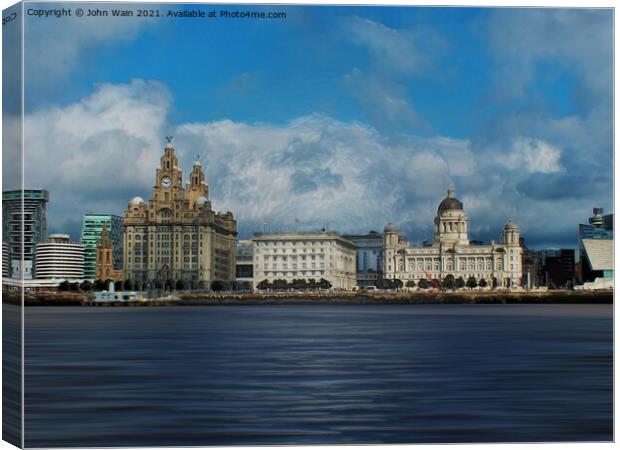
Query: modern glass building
x,y
23,210
91,234
596,246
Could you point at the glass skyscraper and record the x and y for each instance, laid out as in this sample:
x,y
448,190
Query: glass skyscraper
x,y
91,234
32,203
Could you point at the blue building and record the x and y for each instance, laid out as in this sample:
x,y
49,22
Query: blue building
x,y
369,257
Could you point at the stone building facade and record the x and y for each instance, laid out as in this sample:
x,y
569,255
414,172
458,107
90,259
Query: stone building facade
x,y
451,253
304,255
176,239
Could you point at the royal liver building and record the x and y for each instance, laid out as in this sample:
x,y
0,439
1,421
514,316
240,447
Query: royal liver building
x,y
451,253
176,239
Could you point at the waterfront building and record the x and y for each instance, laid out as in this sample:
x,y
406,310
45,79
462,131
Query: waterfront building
x,y
176,239
529,263
92,227
21,254
244,273
557,267
60,258
596,244
369,257
305,256
452,254
6,267
105,258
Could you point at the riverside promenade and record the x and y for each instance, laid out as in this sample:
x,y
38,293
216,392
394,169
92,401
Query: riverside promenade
x,y
327,297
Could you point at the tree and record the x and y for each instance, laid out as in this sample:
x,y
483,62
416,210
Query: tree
x,y
483,283
263,285
423,283
169,284
217,286
472,283
99,285
180,285
324,284
86,286
449,282
64,286
74,287
459,283
384,283
397,283
129,285
118,286
410,284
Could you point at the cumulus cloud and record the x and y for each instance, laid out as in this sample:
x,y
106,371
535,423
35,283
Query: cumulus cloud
x,y
96,154
93,153
534,155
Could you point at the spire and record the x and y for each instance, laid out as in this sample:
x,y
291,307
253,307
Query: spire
x,y
450,192
105,236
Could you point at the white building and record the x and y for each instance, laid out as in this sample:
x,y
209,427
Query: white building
x,y
304,255
451,253
60,258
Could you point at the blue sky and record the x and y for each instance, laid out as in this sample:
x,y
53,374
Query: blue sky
x,y
351,116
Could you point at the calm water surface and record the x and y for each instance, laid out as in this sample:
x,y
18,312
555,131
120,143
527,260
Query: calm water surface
x,y
321,374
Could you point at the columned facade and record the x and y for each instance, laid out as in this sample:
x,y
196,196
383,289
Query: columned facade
x,y
451,253
176,239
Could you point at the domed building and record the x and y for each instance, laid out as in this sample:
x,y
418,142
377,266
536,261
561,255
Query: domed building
x,y
451,253
175,239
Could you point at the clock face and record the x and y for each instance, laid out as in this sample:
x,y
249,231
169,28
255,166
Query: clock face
x,y
166,182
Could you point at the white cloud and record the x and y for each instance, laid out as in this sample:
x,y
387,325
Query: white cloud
x,y
400,51
51,52
534,155
96,154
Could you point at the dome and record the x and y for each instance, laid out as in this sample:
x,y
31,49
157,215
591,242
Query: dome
x,y
510,225
450,202
390,228
201,200
136,201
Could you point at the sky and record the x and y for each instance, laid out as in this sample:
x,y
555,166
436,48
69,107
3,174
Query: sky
x,y
344,117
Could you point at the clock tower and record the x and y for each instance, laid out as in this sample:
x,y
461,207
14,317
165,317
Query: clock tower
x,y
168,178
176,240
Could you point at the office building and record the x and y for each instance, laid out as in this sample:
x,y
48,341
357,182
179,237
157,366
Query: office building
x,y
92,227
244,275
304,256
21,254
60,258
369,257
176,239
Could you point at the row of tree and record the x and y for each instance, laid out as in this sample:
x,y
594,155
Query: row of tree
x,y
130,285
297,284
449,282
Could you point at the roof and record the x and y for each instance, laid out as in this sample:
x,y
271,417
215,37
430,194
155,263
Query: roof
x,y
600,253
450,202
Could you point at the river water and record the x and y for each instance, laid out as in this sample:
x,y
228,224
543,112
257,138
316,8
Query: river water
x,y
317,374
